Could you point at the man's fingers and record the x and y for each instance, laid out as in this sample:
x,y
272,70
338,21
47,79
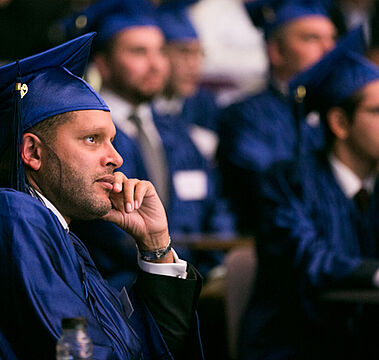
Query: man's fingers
x,y
123,192
118,181
128,194
142,189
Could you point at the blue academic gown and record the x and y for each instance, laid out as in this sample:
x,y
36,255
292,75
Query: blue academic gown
x,y
254,134
47,274
201,109
311,238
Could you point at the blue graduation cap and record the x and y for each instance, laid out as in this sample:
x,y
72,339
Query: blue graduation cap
x,y
269,15
337,76
107,18
41,86
174,21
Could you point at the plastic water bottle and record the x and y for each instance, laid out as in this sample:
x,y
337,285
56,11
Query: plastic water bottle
x,y
74,343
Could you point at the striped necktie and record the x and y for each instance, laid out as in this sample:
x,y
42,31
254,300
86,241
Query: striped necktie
x,y
154,159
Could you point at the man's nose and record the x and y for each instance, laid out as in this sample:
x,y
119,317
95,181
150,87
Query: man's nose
x,y
114,158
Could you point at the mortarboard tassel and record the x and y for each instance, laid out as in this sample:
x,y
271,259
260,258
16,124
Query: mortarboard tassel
x,y
17,173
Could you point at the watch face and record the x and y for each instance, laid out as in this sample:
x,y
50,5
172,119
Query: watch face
x,y
155,254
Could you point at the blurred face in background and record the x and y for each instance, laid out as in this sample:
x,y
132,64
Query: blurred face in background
x,y
299,44
362,135
357,135
136,66
186,60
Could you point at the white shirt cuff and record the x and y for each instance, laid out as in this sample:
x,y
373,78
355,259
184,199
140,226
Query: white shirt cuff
x,y
375,279
176,269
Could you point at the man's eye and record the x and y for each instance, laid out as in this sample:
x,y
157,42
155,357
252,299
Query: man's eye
x,y
137,51
310,37
90,139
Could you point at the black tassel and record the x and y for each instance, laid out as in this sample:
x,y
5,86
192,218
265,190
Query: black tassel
x,y
17,173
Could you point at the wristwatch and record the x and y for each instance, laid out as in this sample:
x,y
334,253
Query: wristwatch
x,y
155,254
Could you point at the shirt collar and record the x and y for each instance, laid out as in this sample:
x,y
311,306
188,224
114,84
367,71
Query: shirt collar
x,y
51,207
281,86
172,106
349,182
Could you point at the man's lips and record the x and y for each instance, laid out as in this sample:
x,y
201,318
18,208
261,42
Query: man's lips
x,y
106,181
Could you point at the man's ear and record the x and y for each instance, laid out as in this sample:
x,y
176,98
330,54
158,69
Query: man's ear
x,y
31,151
102,65
338,122
275,53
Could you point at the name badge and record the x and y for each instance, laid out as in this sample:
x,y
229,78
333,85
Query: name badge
x,y
205,140
313,119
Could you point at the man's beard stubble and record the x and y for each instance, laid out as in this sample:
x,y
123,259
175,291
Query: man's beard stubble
x,y
131,92
67,189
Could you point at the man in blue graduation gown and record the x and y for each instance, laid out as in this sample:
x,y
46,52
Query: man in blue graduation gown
x,y
183,98
56,147
319,225
261,129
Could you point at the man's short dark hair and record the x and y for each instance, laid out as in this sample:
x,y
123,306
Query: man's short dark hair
x,y
106,48
46,130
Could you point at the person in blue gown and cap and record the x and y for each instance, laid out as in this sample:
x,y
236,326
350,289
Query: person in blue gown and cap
x,y
261,129
58,164
319,224
183,97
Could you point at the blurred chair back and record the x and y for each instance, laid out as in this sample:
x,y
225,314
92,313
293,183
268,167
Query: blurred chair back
x,y
241,265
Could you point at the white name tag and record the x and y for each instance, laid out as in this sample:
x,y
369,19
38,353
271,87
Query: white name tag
x,y
205,140
313,119
190,184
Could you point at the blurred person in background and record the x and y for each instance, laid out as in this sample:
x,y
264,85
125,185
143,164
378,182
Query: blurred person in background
x,y
319,223
183,97
261,129
348,14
